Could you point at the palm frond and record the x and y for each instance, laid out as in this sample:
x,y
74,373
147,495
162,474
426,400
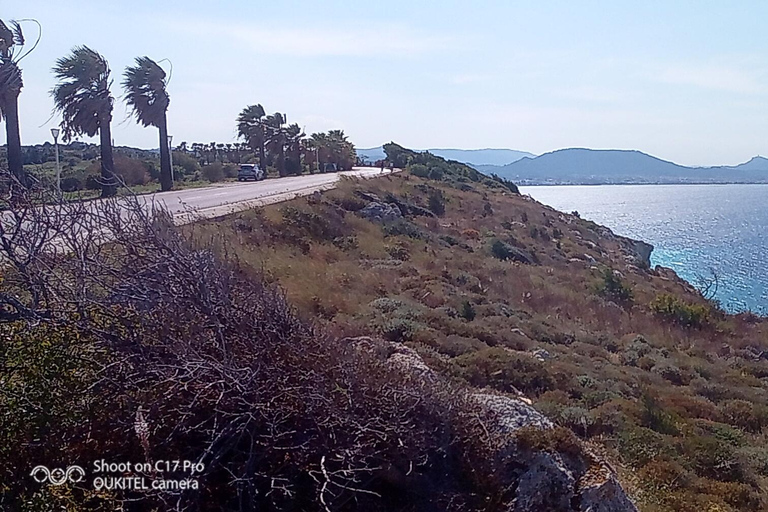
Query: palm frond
x,y
145,91
82,94
18,35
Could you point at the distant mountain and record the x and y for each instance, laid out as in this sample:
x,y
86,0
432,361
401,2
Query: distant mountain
x,y
589,166
472,157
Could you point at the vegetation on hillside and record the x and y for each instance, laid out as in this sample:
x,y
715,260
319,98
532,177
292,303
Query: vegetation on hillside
x,y
634,361
161,346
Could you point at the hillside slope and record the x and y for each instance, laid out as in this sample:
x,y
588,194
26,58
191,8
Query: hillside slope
x,y
588,166
497,292
424,341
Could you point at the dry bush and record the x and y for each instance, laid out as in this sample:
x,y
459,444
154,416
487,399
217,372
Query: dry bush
x,y
217,365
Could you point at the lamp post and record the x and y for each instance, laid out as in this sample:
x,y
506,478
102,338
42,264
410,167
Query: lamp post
x,y
55,133
170,154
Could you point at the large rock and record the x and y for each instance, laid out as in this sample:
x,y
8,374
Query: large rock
x,y
536,479
380,212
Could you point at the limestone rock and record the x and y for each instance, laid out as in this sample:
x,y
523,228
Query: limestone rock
x,y
380,212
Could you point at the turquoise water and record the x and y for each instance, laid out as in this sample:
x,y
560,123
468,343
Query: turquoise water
x,y
694,228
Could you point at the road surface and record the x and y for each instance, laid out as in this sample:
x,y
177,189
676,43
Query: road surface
x,y
215,201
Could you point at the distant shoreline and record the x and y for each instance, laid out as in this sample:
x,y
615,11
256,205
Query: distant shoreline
x,y
519,184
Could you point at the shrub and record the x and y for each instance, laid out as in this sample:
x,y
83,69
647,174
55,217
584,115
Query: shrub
x,y
307,221
422,171
186,164
656,418
131,170
675,375
746,415
399,329
612,287
467,311
641,445
503,370
230,171
554,440
712,458
436,202
71,184
675,310
403,227
506,252
213,172
436,173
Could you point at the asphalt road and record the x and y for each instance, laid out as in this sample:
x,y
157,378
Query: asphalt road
x,y
190,204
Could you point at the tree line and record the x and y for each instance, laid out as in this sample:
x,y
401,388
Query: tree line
x,y
83,98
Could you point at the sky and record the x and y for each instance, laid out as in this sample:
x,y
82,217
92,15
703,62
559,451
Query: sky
x,y
686,81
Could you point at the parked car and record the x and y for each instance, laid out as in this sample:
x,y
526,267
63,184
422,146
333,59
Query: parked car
x,y
330,168
250,172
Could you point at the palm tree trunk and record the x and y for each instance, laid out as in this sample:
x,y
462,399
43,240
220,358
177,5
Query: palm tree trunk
x,y
108,177
281,160
166,176
15,160
263,152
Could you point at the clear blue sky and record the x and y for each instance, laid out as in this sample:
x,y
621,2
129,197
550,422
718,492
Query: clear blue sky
x,y
686,81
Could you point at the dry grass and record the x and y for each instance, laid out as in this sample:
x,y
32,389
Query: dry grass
x,y
604,356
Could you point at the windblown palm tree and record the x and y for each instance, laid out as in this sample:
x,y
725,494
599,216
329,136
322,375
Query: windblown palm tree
x,y
294,136
277,138
145,92
11,52
251,126
85,102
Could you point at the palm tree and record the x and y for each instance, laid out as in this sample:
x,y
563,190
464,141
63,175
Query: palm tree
x,y
85,102
11,52
251,126
294,136
145,92
277,138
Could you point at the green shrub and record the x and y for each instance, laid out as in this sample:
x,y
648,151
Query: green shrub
x,y
436,173
656,418
468,312
184,164
399,329
213,172
422,171
71,184
677,311
712,458
503,370
436,202
641,445
230,170
612,287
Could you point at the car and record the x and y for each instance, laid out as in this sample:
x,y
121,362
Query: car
x,y
250,172
330,168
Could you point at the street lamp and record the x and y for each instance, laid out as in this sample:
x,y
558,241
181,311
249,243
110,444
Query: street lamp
x,y
170,154
55,133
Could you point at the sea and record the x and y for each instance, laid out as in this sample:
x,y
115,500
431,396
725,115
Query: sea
x,y
697,230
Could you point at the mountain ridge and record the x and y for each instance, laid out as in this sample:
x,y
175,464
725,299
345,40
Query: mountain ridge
x,y
585,166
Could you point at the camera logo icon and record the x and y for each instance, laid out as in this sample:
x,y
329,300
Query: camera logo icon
x,y
58,476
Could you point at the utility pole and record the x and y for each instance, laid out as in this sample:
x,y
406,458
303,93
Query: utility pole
x,y
170,154
55,133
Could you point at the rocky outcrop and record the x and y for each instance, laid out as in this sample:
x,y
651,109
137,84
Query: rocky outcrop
x,y
380,212
635,251
538,477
